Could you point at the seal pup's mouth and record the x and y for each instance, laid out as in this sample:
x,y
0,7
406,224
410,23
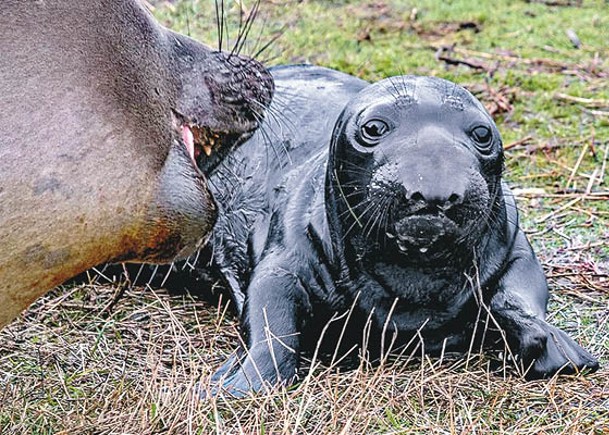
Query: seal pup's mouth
x,y
422,233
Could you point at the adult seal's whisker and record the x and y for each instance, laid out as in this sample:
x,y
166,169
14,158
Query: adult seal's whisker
x,y
127,119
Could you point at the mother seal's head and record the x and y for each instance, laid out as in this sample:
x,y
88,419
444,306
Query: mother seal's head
x,y
414,170
109,124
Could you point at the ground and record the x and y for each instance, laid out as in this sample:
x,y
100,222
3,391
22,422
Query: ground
x,y
125,358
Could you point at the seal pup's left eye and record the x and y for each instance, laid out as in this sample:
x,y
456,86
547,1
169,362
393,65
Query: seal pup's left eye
x,y
483,137
372,131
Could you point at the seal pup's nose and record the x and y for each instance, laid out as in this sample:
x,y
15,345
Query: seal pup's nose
x,y
440,196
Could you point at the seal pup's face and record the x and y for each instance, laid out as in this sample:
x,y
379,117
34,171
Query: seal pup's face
x,y
415,165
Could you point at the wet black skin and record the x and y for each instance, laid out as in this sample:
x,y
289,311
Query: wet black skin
x,y
384,201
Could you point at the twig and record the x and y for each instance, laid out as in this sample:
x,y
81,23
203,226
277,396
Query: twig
x,y
118,295
577,164
558,210
454,61
590,102
519,142
596,112
601,176
524,60
563,3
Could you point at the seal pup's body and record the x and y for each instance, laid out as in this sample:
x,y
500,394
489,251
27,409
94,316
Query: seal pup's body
x,y
104,118
382,207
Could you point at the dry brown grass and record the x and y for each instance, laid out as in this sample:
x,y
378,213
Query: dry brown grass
x,y
68,366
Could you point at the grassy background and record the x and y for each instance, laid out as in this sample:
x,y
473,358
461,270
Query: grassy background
x,y
123,358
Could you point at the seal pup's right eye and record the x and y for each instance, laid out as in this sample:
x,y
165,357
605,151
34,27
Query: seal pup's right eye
x,y
483,137
372,131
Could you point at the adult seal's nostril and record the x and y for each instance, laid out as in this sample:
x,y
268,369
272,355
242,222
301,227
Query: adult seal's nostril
x,y
104,114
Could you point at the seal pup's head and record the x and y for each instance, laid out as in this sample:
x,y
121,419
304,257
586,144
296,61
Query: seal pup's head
x,y
414,171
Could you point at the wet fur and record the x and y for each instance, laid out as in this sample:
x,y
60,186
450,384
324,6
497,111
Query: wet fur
x,y
302,241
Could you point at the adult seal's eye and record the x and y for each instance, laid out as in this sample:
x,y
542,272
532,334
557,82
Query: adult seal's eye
x,y
373,131
483,136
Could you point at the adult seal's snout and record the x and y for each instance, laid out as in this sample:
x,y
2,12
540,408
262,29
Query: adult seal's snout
x,y
109,126
238,88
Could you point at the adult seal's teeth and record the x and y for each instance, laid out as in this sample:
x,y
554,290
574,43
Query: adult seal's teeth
x,y
423,250
189,141
207,149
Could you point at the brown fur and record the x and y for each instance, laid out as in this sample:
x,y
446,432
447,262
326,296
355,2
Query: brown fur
x,y
92,163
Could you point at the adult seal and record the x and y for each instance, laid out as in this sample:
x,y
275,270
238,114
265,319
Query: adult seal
x,y
108,124
379,218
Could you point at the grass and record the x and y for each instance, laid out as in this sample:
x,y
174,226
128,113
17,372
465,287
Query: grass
x,y
121,358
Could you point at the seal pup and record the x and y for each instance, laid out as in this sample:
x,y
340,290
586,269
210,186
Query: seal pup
x,y
108,124
379,220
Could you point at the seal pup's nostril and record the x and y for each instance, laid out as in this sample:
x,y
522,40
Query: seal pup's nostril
x,y
416,197
455,199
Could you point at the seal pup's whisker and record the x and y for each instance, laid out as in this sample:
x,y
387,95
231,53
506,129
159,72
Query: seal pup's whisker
x,y
398,217
374,211
351,211
369,206
349,207
399,91
357,169
383,217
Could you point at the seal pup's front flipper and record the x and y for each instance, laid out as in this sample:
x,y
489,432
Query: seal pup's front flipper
x,y
272,319
519,306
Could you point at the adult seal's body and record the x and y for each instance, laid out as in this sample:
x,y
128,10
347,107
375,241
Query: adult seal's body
x,y
381,205
106,123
